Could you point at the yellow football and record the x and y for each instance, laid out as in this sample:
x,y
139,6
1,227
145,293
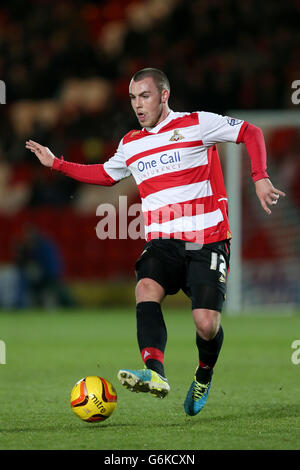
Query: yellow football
x,y
93,399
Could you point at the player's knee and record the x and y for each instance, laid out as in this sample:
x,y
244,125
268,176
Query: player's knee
x,y
207,323
148,290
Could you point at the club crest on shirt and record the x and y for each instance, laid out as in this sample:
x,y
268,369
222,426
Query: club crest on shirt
x,y
176,136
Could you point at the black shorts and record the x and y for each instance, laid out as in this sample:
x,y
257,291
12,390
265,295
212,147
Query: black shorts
x,y
200,273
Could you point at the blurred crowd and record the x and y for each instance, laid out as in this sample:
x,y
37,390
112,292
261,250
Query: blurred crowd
x,y
66,65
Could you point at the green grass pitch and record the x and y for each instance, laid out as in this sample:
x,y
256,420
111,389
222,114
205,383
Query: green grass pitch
x,y
253,403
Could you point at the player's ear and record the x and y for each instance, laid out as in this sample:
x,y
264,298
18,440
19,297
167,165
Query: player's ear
x,y
165,96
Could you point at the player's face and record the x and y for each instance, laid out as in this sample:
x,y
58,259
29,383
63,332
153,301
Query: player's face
x,y
147,102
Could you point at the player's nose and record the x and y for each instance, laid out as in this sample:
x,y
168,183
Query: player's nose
x,y
138,103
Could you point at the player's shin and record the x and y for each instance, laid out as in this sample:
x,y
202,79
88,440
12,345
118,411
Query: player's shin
x,y
151,335
209,351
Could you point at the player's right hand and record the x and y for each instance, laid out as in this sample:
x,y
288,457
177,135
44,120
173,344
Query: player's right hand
x,y
45,156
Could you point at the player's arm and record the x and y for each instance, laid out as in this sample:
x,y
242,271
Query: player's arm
x,y
93,174
253,139
215,128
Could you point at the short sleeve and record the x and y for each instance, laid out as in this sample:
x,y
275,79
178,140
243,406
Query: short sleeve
x,y
116,167
215,128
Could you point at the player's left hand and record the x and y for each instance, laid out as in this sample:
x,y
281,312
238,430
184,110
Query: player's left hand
x,y
267,194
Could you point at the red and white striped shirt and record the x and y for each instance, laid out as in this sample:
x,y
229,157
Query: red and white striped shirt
x,y
178,173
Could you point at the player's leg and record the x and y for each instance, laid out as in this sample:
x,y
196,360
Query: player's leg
x,y
152,338
209,340
149,290
207,287
151,328
154,276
